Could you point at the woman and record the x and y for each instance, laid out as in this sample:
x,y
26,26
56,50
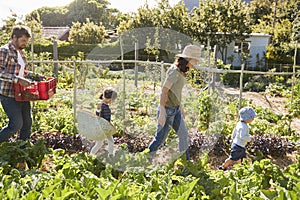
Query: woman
x,y
170,111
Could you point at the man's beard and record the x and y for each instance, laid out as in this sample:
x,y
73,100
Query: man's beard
x,y
18,46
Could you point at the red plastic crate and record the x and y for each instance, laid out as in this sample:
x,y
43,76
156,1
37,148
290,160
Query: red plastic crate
x,y
42,90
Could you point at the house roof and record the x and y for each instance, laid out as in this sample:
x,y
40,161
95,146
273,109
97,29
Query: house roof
x,y
250,34
56,32
260,35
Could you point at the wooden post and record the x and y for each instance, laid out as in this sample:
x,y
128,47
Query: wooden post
x,y
32,52
294,71
241,85
208,61
136,69
75,92
124,84
55,58
213,75
162,73
32,69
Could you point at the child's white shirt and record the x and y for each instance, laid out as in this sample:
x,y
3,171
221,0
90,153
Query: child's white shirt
x,y
240,134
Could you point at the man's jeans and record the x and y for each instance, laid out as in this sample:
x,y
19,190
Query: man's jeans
x,y
19,115
173,119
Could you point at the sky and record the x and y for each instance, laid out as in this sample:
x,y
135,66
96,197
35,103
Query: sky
x,y
21,8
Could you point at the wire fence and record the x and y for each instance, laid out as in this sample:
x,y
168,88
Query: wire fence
x,y
143,70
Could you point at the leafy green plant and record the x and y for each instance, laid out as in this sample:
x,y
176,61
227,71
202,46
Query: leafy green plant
x,y
22,151
276,89
3,118
54,116
210,108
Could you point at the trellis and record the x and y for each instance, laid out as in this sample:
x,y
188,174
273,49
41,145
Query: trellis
x,y
211,70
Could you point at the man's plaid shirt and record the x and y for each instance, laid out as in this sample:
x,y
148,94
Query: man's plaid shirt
x,y
9,69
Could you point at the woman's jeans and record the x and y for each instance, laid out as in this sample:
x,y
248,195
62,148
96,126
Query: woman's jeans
x,y
19,115
173,119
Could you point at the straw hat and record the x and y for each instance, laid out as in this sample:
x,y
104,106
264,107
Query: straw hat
x,y
191,51
247,113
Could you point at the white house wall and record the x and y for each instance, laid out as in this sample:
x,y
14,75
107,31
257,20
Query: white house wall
x,y
258,46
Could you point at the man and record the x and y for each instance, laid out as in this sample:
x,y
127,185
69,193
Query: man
x,y
13,67
170,111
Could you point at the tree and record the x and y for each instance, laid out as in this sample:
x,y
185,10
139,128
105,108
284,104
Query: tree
x,y
158,29
144,17
279,24
87,33
296,23
277,21
221,22
175,18
33,21
53,16
115,17
79,10
95,10
259,9
9,23
163,16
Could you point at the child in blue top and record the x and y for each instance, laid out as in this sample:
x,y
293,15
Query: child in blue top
x,y
103,110
240,137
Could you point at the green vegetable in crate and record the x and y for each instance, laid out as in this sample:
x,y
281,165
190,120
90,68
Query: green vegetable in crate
x,y
35,77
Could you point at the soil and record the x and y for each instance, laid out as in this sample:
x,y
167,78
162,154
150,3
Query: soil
x,y
274,103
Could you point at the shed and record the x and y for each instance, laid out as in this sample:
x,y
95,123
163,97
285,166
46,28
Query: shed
x,y
256,45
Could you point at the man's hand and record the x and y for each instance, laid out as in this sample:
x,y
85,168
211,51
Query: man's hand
x,y
24,82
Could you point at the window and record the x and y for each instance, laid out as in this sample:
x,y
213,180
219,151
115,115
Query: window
x,y
242,47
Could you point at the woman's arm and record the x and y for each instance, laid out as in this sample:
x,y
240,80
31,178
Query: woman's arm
x,y
163,100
